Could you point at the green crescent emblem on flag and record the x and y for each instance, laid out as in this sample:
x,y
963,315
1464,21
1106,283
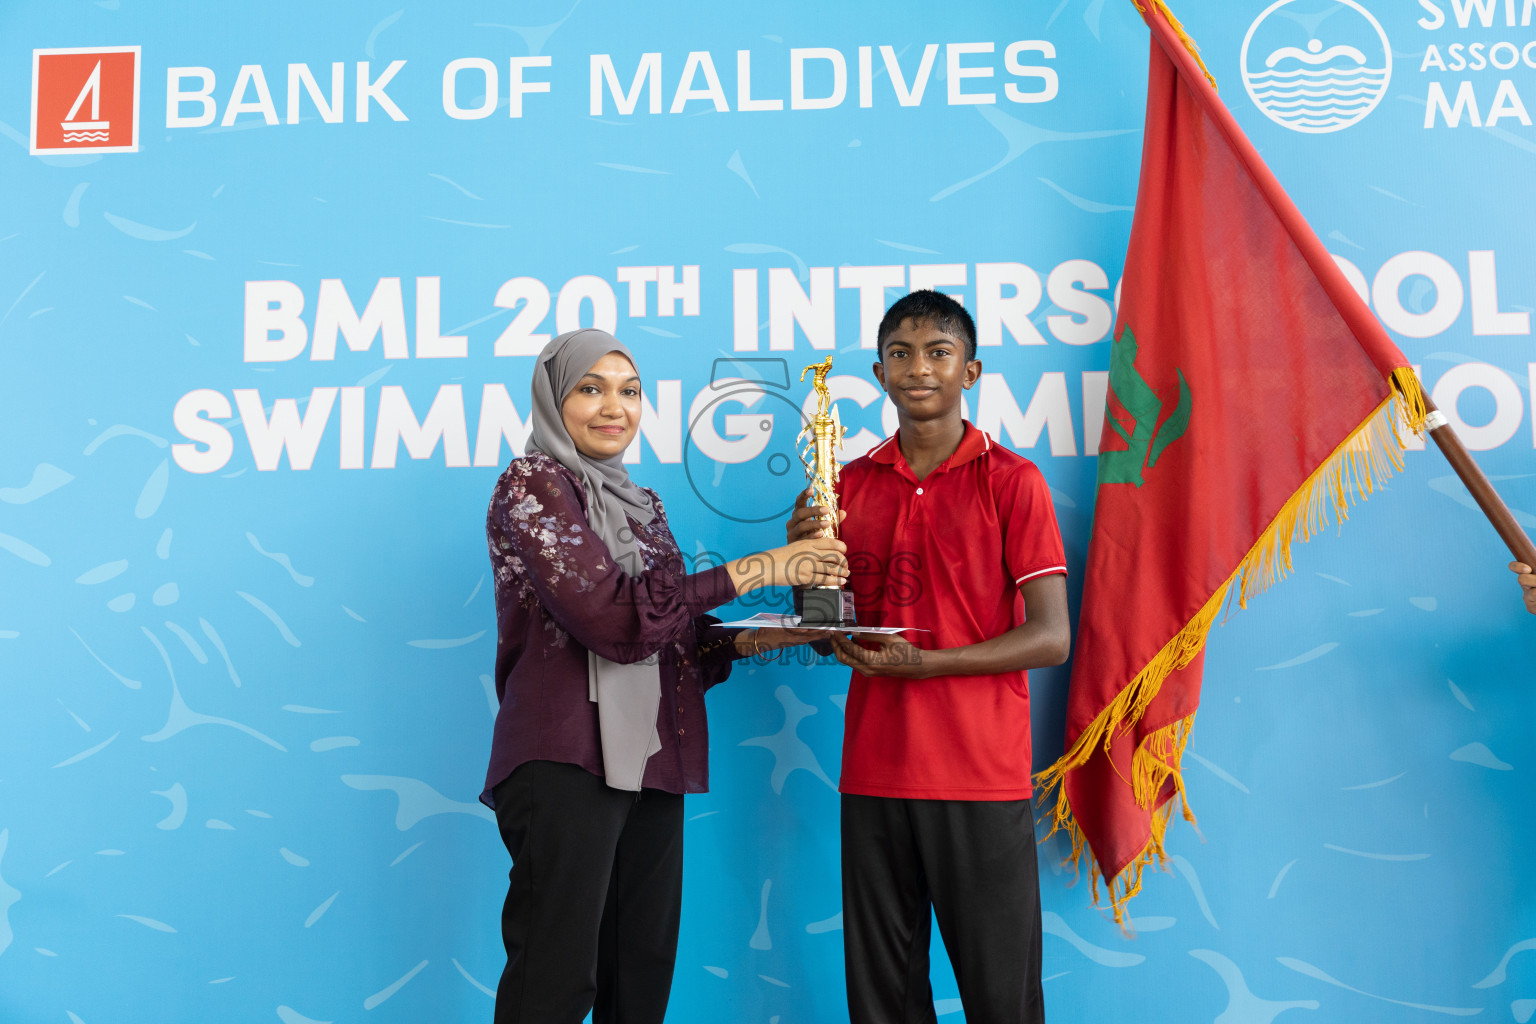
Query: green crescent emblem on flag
x,y
1145,440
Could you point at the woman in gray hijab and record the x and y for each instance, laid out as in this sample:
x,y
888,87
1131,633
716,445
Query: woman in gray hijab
x,y
604,651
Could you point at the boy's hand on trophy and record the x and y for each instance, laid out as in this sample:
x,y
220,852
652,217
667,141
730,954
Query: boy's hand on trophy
x,y
809,520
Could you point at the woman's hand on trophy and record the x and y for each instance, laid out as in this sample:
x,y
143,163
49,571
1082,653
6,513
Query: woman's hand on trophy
x,y
809,520
885,654
812,562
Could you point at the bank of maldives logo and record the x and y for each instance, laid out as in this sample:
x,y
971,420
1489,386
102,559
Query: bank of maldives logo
x,y
85,100
1316,66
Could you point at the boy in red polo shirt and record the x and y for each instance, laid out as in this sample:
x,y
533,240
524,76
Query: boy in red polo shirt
x,y
953,534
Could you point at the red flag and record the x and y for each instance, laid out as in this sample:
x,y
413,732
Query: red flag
x,y
1252,394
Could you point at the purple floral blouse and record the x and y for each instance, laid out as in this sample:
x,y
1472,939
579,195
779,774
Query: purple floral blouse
x,y
560,594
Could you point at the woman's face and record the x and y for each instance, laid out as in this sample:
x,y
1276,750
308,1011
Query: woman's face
x,y
602,412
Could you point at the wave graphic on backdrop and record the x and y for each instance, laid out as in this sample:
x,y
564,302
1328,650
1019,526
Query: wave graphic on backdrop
x,y
1319,99
1319,87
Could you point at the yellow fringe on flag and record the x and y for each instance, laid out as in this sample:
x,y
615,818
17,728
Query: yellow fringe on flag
x,y
1353,472
1150,771
1178,29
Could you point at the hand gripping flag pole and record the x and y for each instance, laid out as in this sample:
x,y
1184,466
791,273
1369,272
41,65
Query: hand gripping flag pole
x,y
1252,396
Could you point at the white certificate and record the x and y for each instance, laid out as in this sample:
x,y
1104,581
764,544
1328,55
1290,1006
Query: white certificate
x,y
770,620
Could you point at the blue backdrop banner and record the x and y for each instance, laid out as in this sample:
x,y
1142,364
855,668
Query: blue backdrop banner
x,y
271,281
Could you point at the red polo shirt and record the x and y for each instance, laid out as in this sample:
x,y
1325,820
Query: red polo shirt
x,y
947,555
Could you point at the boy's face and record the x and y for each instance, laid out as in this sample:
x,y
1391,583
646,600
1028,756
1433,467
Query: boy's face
x,y
924,370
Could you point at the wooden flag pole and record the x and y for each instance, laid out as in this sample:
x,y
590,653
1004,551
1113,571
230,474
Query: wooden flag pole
x,y
1477,483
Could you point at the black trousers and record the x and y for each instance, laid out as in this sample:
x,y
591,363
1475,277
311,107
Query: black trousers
x,y
971,865
594,899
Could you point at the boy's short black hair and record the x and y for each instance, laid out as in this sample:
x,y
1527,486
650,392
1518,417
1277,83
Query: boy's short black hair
x,y
934,307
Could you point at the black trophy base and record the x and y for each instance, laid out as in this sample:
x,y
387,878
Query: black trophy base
x,y
824,606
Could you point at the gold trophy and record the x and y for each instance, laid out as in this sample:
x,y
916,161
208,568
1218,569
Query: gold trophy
x,y
818,443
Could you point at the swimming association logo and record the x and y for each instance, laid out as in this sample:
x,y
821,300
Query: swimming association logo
x,y
1316,66
85,100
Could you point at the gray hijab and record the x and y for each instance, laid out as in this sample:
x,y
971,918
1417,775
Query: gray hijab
x,y
627,696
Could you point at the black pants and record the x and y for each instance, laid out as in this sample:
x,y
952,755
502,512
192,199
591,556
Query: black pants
x,y
970,864
591,917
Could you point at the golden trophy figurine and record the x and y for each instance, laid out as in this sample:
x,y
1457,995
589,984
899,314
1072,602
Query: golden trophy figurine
x,y
818,444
